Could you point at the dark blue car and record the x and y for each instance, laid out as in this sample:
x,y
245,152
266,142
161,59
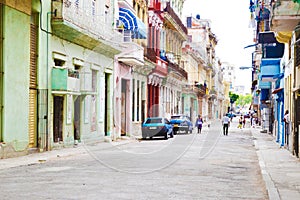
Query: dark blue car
x,y
157,127
181,123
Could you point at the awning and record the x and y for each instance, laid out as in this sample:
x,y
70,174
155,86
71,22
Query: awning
x,y
283,37
269,68
275,91
133,23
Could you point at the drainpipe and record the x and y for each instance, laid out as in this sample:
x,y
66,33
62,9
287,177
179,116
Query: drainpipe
x,y
46,117
1,69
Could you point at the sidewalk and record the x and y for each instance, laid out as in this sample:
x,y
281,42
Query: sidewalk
x,y
280,169
66,152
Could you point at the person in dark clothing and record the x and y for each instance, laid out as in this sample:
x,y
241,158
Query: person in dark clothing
x,y
199,123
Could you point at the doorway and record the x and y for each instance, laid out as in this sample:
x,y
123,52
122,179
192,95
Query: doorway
x,y
108,105
58,119
77,118
124,107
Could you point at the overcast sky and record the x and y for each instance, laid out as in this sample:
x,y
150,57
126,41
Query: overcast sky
x,y
230,24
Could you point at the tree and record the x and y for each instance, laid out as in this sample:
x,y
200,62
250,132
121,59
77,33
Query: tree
x,y
233,97
244,100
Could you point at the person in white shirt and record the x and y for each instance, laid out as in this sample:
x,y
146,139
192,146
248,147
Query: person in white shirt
x,y
225,122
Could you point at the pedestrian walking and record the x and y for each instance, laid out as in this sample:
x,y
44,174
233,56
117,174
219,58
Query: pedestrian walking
x,y
244,122
225,123
286,120
199,123
240,122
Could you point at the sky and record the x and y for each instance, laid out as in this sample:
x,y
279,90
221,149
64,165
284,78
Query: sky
x,y
230,23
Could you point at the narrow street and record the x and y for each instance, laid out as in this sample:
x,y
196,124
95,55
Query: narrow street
x,y
194,166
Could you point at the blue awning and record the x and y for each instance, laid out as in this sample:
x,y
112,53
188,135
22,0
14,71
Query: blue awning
x,y
133,23
269,68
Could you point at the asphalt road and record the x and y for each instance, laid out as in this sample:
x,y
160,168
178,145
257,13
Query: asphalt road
x,y
194,166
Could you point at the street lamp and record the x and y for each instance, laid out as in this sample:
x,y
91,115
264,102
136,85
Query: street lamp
x,y
243,68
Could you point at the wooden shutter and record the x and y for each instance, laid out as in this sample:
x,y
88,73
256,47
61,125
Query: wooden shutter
x,y
32,117
33,57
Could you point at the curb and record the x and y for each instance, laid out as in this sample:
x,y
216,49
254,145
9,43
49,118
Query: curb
x,y
270,186
271,189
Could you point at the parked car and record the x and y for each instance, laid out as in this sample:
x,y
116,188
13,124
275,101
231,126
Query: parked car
x,y
181,123
157,126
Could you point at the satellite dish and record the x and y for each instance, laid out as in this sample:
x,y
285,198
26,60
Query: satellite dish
x,y
197,16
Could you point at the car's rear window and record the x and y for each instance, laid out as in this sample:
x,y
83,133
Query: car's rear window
x,y
176,117
153,121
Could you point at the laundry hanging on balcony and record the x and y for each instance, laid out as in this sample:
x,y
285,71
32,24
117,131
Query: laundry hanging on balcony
x,y
133,23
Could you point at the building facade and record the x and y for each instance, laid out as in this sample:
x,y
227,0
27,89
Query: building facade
x,y
92,70
17,52
275,76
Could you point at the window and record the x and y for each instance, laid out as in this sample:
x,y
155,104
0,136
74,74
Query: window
x,y
94,80
106,15
154,121
134,4
93,7
59,63
73,73
77,4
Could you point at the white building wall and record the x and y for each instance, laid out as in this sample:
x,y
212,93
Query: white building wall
x,y
140,84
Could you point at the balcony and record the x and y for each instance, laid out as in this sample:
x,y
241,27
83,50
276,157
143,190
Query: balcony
x,y
176,24
151,54
64,80
200,89
134,57
80,26
213,93
175,68
200,51
154,5
285,15
161,67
